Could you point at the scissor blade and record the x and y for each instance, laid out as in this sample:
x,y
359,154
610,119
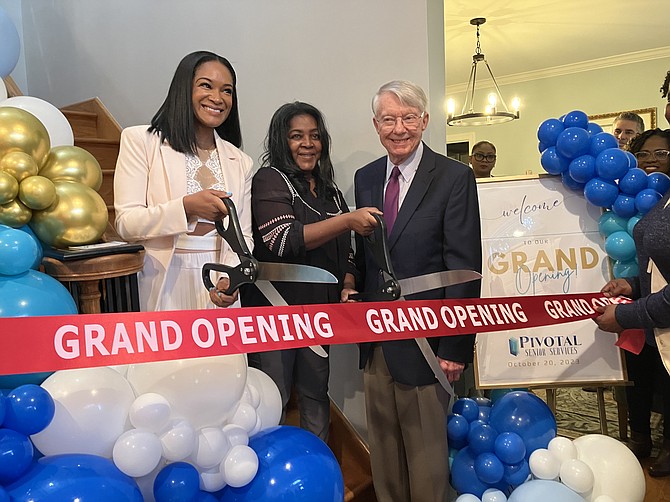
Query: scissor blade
x,y
412,285
293,272
277,300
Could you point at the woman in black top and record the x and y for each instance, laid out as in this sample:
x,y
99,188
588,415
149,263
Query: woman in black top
x,y
300,216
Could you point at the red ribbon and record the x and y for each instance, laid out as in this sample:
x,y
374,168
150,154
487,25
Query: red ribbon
x,y
50,343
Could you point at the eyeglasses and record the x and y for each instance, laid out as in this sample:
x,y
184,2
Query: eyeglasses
x,y
658,154
410,121
481,157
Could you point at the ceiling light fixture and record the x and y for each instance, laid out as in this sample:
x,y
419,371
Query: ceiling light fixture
x,y
495,111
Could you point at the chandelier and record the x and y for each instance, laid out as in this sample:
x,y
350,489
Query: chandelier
x,y
495,111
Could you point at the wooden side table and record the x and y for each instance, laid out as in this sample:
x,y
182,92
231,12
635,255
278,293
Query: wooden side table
x,y
88,274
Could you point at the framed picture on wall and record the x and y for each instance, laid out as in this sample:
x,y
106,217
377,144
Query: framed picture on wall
x,y
605,120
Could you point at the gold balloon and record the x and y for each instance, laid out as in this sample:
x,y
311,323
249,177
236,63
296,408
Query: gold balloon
x,y
18,164
9,187
79,216
21,130
37,192
15,214
71,163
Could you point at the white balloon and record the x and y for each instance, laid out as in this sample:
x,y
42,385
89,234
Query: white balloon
x,y
240,466
58,127
178,440
92,407
563,448
493,495
150,411
257,428
544,464
204,391
251,395
245,417
3,90
468,497
576,475
616,471
211,480
236,434
270,407
137,453
604,498
211,447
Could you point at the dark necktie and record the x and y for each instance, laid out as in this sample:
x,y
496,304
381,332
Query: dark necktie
x,y
391,199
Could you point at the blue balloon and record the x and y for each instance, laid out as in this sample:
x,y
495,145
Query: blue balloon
x,y
633,181
542,146
612,164
632,222
602,141
658,181
624,206
32,294
294,465
625,269
576,118
3,407
553,162
545,491
610,222
464,479
466,407
18,252
593,128
484,412
74,476
481,439
475,424
4,496
569,182
516,474
646,199
620,246
583,168
40,246
573,142
549,131
483,401
526,415
498,393
600,192
458,428
632,160
16,455
489,468
176,482
10,44
510,448
30,409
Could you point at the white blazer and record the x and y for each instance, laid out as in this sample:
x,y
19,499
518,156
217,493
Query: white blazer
x,y
149,187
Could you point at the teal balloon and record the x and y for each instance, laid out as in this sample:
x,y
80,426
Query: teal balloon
x,y
40,248
620,246
18,252
10,44
632,222
622,269
611,222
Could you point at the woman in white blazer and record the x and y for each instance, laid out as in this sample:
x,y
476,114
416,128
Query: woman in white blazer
x,y
169,181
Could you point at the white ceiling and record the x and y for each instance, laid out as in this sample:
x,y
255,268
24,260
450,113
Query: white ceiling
x,y
522,36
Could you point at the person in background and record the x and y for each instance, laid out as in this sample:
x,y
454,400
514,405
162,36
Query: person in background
x,y
648,311
652,150
627,125
483,159
431,212
300,216
169,181
665,94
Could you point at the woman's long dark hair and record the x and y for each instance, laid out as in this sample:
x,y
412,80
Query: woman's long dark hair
x,y
175,119
278,154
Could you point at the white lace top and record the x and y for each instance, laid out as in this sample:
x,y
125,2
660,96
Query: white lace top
x,y
201,176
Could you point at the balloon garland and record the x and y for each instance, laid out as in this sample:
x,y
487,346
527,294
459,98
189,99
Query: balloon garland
x,y
590,161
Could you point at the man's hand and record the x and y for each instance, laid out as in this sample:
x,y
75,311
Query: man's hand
x,y
451,369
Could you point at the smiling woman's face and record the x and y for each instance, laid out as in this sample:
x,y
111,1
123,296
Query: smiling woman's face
x,y
654,150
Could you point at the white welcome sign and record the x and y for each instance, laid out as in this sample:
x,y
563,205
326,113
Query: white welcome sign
x,y
540,238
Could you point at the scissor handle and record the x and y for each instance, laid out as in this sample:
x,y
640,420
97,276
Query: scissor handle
x,y
377,244
244,273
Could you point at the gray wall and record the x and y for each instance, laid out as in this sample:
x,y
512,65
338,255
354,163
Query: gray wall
x,y
332,54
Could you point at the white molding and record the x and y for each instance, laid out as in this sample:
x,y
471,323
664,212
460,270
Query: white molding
x,y
568,69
